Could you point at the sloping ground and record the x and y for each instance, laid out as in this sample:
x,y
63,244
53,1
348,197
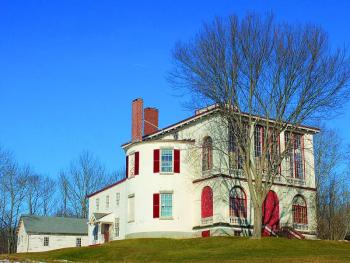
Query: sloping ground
x,y
216,249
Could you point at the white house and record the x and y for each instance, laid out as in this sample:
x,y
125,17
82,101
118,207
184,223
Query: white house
x,y
178,186
43,233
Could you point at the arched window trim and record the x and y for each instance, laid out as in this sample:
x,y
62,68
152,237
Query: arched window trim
x,y
299,210
234,201
207,203
207,154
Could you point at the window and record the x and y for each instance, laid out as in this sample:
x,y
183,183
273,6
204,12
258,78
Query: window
x,y
258,139
295,155
131,165
95,232
299,210
238,203
131,208
166,205
117,199
298,158
97,204
107,202
207,202
207,154
166,161
78,242
46,241
116,227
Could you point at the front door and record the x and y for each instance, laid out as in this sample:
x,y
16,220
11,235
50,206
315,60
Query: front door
x,y
106,233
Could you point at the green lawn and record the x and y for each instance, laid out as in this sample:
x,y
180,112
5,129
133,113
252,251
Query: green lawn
x,y
215,249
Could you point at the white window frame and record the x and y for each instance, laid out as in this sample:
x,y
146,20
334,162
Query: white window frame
x,y
78,242
107,201
161,162
46,241
116,227
131,208
117,198
97,204
161,205
131,165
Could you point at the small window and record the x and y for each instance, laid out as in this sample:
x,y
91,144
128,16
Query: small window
x,y
131,208
107,202
116,227
166,205
166,160
117,199
78,242
97,204
207,154
46,241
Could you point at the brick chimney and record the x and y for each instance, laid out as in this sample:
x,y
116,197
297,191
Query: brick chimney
x,y
136,120
151,121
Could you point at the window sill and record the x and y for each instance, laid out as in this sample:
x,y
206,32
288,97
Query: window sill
x,y
131,221
166,173
166,218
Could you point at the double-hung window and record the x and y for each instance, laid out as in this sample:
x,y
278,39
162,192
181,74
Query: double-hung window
x,y
131,208
117,199
97,204
46,241
78,242
166,163
166,205
116,227
107,202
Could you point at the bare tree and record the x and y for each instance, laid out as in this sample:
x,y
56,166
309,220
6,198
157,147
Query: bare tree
x,y
84,176
254,67
333,213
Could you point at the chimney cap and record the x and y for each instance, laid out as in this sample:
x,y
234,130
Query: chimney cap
x,y
136,99
151,108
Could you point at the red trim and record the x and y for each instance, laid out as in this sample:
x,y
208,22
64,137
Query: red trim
x,y
156,205
156,163
127,166
176,161
137,163
105,188
206,233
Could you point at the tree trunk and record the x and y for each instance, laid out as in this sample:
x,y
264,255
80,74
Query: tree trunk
x,y
257,222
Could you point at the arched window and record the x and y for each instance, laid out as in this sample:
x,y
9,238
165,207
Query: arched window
x,y
207,202
299,210
207,155
238,203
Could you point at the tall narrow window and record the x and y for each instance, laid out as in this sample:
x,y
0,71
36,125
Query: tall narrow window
x,y
116,227
97,204
207,154
133,164
207,202
95,232
107,201
166,205
166,160
298,156
117,198
299,210
131,208
258,140
238,203
288,142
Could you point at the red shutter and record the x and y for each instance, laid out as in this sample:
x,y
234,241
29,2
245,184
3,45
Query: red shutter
x,y
176,161
155,205
206,233
127,166
137,163
156,161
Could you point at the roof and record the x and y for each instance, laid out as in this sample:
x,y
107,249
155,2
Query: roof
x,y
98,216
34,224
198,115
105,188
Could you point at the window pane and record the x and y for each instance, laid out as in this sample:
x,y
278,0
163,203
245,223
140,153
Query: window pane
x,y
166,205
167,161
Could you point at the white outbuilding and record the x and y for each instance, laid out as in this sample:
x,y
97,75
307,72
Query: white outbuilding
x,y
43,233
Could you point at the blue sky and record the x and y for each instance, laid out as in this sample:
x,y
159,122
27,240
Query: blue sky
x,y
69,69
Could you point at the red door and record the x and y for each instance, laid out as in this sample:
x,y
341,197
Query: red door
x,y
270,213
106,233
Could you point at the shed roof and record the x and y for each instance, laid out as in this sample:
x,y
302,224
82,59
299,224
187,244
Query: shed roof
x,y
54,225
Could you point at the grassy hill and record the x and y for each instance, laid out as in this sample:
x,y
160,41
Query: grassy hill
x,y
215,249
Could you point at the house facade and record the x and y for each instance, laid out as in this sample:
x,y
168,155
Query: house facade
x,y
43,233
178,185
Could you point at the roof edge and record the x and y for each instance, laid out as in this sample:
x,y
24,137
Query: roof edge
x,y
105,188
